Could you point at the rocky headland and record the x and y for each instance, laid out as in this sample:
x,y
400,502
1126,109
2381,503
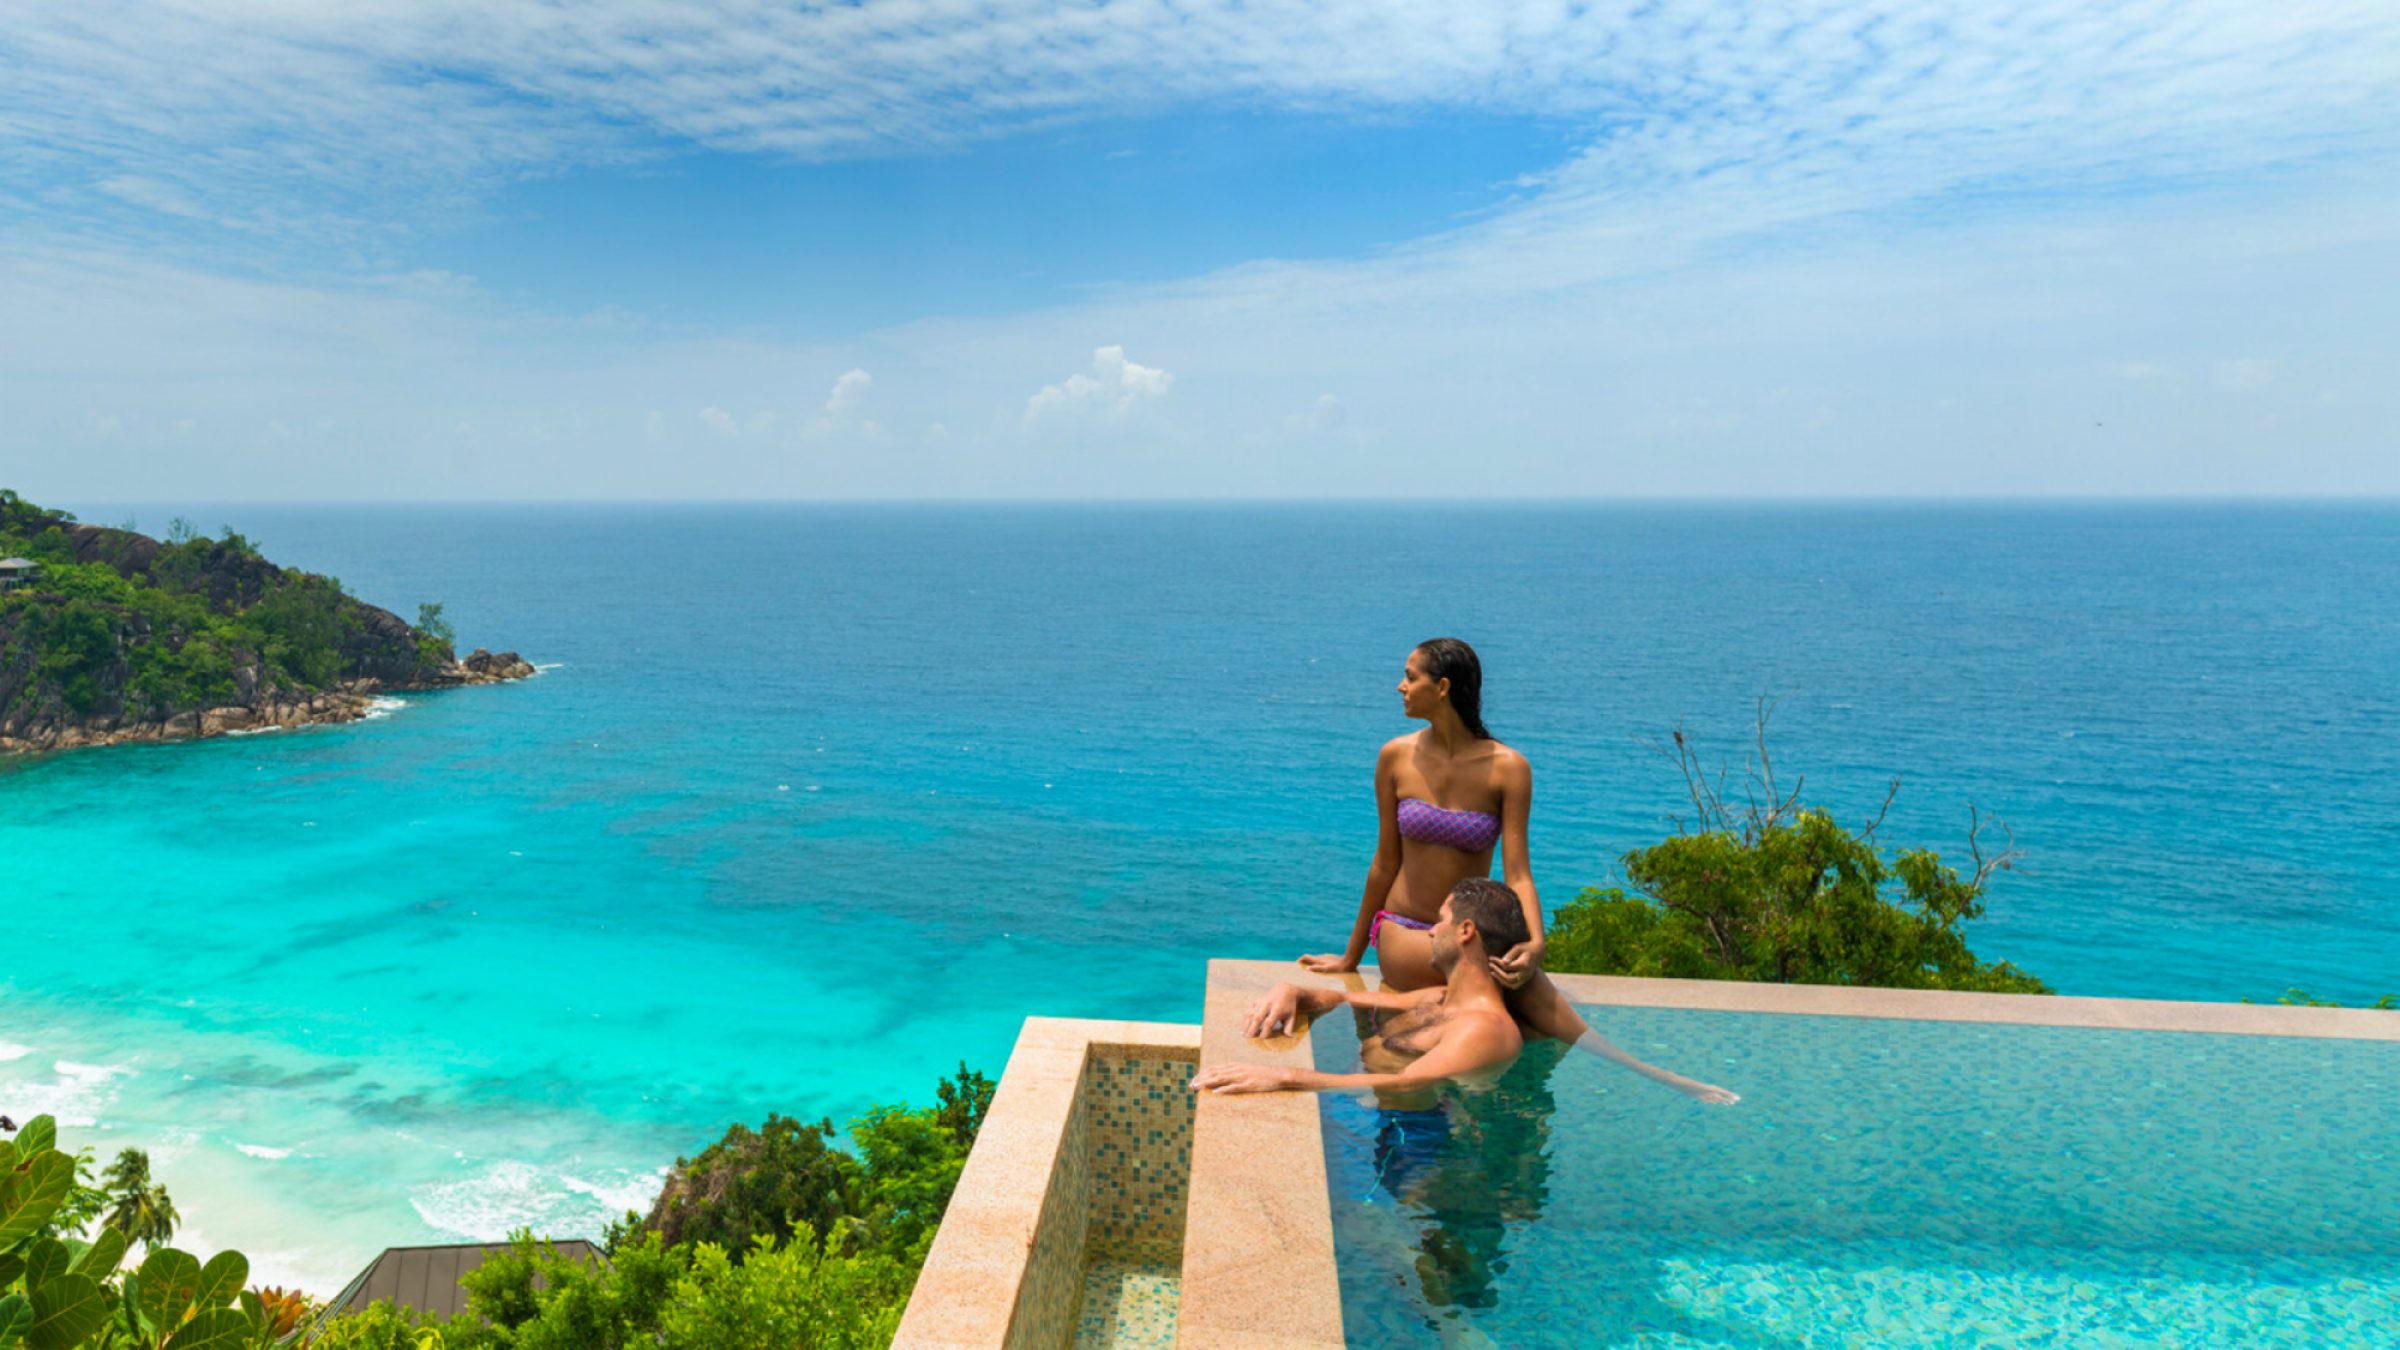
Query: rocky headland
x,y
116,637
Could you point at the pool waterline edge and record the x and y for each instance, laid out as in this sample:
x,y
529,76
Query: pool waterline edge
x,y
1258,1262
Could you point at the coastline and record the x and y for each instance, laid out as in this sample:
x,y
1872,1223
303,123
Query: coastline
x,y
348,701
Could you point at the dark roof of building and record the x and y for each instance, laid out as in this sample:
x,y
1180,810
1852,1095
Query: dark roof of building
x,y
426,1278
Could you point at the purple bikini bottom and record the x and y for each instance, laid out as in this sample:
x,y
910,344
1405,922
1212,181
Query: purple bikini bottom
x,y
1375,929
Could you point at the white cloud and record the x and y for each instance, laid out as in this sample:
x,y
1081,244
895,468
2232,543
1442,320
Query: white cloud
x,y
848,392
724,423
1110,389
2245,374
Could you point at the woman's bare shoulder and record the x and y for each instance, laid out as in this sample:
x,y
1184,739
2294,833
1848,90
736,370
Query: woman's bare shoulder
x,y
1397,747
1510,764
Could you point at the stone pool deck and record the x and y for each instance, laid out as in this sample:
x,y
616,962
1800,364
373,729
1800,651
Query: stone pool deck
x,y
1097,1166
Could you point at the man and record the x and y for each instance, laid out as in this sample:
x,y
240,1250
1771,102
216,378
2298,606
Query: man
x,y
1459,1029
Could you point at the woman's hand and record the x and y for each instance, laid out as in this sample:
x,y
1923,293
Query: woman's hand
x,y
1328,963
1512,968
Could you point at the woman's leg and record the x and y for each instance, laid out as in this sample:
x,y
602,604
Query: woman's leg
x,y
1538,1004
1405,957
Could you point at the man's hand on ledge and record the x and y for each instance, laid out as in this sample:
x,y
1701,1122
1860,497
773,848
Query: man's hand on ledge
x,y
1286,1008
1235,1078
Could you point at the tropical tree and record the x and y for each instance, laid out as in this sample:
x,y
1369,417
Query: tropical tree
x,y
1759,886
138,1206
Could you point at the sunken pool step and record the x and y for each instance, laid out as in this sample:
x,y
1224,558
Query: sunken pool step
x,y
1129,1305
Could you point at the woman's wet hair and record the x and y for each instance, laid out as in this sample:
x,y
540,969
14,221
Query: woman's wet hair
x,y
1452,660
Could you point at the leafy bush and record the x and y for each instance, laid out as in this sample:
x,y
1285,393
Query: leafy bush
x,y
770,1237
1779,892
757,1183
2301,998
66,1293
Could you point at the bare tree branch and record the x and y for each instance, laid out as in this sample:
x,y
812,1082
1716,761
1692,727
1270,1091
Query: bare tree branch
x,y
1890,794
2003,861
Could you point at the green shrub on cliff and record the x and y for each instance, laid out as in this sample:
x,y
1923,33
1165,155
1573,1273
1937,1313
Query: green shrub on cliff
x,y
1775,891
887,1195
767,1238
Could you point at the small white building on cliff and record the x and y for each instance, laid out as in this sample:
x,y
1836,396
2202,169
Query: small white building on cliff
x,y
15,572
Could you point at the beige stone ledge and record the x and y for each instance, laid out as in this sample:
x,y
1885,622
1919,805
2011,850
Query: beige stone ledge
x,y
1258,1248
1935,1005
969,1290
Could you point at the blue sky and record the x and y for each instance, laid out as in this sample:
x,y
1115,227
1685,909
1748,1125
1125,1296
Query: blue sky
x,y
727,249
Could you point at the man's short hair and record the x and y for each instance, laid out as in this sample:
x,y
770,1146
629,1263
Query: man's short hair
x,y
1498,916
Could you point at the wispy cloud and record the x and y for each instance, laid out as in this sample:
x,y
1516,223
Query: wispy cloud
x,y
1820,227
387,114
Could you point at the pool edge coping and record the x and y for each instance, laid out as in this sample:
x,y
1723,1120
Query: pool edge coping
x,y
1942,1005
1258,1265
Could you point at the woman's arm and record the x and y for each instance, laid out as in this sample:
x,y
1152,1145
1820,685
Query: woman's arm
x,y
1515,966
1380,873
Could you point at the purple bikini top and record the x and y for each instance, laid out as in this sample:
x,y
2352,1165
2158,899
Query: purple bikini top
x,y
1466,831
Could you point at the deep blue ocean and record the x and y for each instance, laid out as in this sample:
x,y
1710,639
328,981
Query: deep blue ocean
x,y
811,804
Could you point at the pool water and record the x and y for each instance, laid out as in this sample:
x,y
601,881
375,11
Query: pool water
x,y
1880,1183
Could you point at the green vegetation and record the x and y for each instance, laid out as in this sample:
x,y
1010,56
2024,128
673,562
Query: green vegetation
x,y
769,1238
65,1292
2301,998
1772,890
138,1207
121,625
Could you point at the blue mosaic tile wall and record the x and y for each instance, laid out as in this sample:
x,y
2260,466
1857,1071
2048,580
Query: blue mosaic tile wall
x,y
1140,1112
1113,1217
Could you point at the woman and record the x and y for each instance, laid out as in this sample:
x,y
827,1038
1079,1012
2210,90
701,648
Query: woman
x,y
1446,797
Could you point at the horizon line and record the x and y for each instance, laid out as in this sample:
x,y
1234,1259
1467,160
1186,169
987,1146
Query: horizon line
x,y
1545,501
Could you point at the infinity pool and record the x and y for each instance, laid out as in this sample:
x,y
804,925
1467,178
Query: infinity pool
x,y
1881,1183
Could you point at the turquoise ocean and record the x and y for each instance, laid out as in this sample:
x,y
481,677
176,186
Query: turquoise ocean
x,y
811,804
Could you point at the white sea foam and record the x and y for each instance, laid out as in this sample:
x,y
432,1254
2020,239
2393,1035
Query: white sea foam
x,y
263,1151
11,1050
75,1098
254,731
540,668
382,706
510,1195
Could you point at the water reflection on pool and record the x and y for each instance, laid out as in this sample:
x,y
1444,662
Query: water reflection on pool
x,y
1881,1182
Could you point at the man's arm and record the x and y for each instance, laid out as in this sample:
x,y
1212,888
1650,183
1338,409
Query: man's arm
x,y
1281,1009
1465,1047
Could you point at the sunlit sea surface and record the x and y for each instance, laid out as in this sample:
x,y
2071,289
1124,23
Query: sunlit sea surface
x,y
809,805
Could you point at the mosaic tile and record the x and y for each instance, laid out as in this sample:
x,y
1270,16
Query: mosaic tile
x,y
1053,1284
1141,1147
1109,1250
1128,1305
